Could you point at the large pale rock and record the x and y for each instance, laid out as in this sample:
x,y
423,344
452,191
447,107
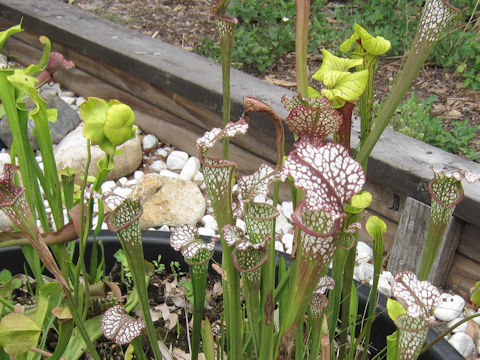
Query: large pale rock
x,y
72,152
169,201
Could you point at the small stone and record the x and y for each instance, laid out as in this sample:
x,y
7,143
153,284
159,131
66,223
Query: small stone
x,y
241,224
68,99
363,272
162,153
176,160
287,209
138,175
56,87
463,343
123,180
131,182
206,231
158,165
191,167
149,142
282,225
364,253
450,308
385,283
123,192
260,198
4,159
210,222
198,176
169,173
80,100
287,241
164,228
67,93
459,328
108,186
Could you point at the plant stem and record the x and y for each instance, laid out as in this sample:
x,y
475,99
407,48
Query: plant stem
x,y
226,47
435,234
301,46
448,331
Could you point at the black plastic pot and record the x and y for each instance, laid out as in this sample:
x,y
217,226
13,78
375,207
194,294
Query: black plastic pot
x,y
158,242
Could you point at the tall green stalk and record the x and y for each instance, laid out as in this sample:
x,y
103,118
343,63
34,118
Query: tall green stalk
x,y
124,221
435,17
197,254
301,46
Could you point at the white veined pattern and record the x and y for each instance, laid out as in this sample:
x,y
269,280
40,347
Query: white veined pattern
x,y
119,327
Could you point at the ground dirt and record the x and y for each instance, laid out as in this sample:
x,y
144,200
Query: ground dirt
x,y
185,22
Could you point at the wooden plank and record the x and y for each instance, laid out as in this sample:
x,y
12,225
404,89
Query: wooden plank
x,y
470,243
409,244
144,96
463,274
385,200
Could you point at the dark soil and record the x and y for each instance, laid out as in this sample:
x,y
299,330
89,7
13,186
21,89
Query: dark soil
x,y
185,22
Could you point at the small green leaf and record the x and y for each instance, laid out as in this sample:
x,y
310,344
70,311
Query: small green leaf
x,y
313,93
476,294
376,227
5,276
18,333
395,309
9,32
52,115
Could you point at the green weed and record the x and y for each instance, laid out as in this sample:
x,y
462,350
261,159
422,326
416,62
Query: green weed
x,y
414,118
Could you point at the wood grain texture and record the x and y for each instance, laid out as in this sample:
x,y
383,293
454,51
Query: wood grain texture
x,y
409,244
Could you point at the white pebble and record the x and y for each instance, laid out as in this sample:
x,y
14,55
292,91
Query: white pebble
x,y
123,180
385,283
450,308
364,253
463,343
164,228
138,175
56,87
131,182
4,158
210,222
241,224
68,99
104,226
206,231
176,160
282,225
203,186
287,241
190,168
363,272
279,246
80,100
149,142
108,186
123,192
161,152
287,209
198,176
158,165
459,328
260,198
169,173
